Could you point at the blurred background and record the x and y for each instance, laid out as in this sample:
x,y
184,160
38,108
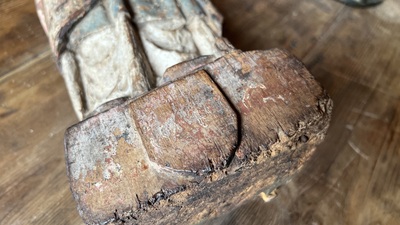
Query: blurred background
x,y
353,177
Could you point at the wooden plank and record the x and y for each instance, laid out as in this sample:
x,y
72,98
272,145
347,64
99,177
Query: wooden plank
x,y
291,25
21,36
34,114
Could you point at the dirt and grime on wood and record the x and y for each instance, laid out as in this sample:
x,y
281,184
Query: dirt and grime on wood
x,y
354,53
144,165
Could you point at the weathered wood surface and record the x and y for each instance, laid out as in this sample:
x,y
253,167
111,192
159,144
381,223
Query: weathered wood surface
x,y
192,148
353,177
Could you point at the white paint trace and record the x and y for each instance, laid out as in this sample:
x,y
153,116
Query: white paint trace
x,y
103,57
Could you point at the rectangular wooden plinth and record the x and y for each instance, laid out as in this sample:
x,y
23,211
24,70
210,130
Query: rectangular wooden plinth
x,y
198,145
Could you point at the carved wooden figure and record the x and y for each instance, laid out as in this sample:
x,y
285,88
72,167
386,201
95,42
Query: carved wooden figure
x,y
178,125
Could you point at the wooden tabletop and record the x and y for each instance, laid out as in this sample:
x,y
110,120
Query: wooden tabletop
x,y
354,176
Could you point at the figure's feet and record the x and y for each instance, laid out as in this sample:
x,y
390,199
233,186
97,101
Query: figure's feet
x,y
361,3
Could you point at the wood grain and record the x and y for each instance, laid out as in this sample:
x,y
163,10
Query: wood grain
x,y
188,150
21,36
353,177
